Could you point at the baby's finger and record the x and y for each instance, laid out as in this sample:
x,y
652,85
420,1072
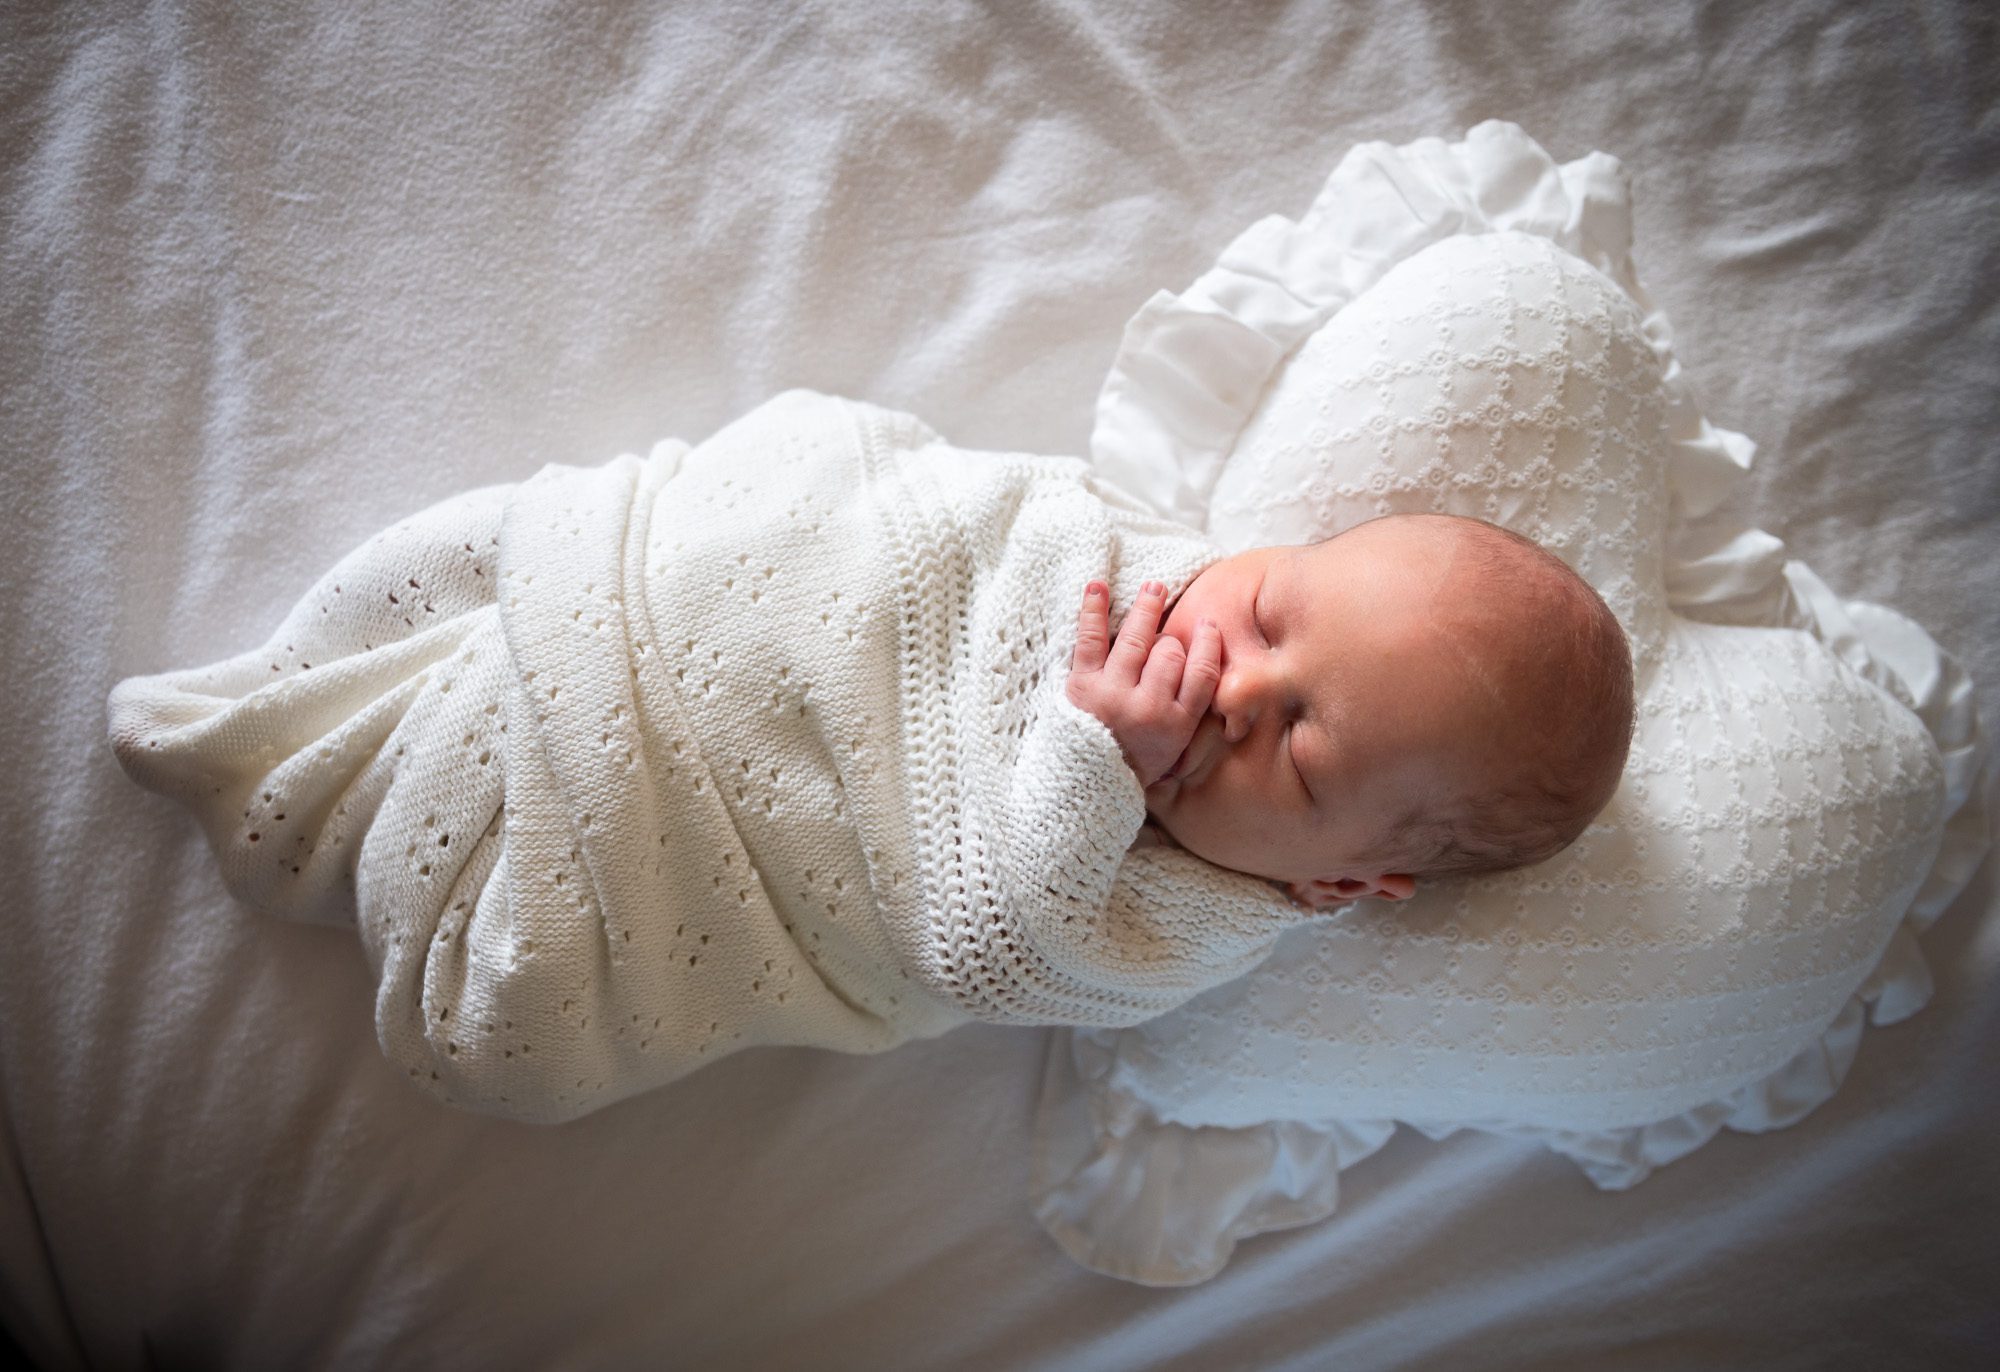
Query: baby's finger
x,y
1162,674
1135,635
1093,629
1203,672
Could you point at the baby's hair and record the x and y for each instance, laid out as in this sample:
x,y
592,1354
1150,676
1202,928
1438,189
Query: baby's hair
x,y
1567,685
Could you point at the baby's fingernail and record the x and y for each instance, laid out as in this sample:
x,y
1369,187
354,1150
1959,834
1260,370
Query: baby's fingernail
x,y
1095,590
1154,588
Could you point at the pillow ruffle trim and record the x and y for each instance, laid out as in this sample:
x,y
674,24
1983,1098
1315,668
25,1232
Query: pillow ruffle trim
x,y
1163,1203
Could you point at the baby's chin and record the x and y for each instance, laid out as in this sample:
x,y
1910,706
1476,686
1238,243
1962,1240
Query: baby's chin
x,y
1162,810
1191,836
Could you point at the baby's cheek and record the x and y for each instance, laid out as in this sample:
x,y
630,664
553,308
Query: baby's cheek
x,y
1242,801
1209,803
1181,620
1229,783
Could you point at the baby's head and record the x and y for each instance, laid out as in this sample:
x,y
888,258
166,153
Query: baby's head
x,y
1422,695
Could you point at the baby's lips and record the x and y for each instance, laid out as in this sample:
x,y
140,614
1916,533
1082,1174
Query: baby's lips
x,y
1173,773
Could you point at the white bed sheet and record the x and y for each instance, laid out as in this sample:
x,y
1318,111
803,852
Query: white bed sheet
x,y
274,278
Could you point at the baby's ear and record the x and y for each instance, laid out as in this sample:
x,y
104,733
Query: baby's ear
x,y
1322,893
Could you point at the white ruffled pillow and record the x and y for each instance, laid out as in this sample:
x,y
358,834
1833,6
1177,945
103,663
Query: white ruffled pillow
x,y
1458,328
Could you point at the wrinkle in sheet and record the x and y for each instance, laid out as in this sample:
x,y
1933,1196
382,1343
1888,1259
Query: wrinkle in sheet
x,y
456,246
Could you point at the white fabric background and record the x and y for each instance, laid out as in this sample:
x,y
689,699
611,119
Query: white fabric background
x,y
274,279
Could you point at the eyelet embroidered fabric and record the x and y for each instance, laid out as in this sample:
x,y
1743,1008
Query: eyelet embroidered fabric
x,y
629,767
1466,335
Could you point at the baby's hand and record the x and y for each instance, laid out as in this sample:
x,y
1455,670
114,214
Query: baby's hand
x,y
1147,689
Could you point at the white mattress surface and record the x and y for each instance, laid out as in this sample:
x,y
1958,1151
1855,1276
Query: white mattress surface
x,y
277,276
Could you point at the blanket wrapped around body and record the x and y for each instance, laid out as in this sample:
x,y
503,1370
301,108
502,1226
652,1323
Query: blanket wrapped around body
x,y
764,742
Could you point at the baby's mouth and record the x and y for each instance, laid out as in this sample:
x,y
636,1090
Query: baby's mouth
x,y
1193,756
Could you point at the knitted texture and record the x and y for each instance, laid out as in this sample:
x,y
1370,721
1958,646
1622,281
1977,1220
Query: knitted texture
x,y
628,767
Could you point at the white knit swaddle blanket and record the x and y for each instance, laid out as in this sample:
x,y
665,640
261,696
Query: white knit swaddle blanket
x,y
628,767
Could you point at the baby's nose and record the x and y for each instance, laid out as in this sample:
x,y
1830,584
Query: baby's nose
x,y
1239,700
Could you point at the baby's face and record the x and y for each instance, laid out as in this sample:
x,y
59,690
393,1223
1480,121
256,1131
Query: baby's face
x,y
1340,709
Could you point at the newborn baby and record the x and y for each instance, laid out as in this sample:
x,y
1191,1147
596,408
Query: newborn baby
x,y
792,739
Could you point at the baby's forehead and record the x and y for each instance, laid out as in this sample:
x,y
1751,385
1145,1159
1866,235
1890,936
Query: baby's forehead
x,y
1508,581
1432,629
